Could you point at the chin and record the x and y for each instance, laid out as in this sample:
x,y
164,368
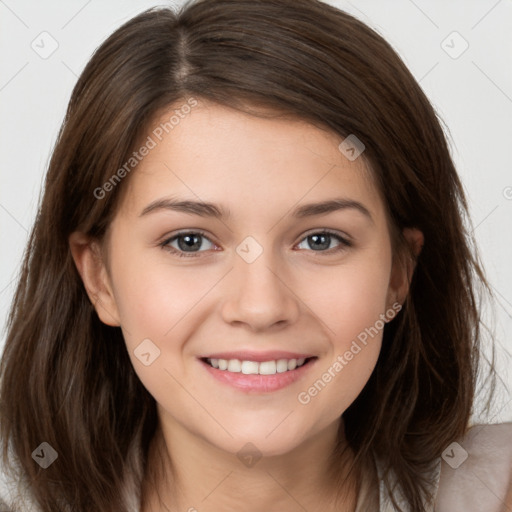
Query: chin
x,y
266,441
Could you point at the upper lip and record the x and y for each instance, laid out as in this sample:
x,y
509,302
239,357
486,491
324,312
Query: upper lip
x,y
244,355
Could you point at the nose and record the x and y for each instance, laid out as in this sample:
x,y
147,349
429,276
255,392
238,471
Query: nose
x,y
258,297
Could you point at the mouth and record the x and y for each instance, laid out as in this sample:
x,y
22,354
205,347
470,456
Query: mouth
x,y
258,376
248,367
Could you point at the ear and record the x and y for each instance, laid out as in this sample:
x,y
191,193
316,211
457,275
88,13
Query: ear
x,y
402,271
89,262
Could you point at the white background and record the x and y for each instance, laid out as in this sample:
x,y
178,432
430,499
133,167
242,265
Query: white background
x,y
471,93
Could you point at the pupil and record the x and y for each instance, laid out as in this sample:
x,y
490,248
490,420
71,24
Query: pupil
x,y
189,242
320,241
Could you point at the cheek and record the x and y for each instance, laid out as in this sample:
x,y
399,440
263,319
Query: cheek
x,y
156,304
349,298
349,301
161,303
153,297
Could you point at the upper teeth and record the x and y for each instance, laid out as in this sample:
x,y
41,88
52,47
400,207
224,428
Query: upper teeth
x,y
253,367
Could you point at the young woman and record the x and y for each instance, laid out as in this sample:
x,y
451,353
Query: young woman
x,y
250,285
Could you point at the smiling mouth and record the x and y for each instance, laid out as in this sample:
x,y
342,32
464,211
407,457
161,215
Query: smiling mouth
x,y
271,367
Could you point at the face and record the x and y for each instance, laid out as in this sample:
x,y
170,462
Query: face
x,y
218,257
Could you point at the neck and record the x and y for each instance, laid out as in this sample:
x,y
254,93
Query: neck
x,y
201,477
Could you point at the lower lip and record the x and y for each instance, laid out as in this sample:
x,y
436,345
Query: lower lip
x,y
259,383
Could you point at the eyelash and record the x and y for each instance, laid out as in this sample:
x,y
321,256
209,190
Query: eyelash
x,y
344,243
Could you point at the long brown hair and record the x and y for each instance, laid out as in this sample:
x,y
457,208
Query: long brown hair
x,y
66,378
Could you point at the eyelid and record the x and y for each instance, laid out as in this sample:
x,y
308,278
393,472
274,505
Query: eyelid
x,y
340,234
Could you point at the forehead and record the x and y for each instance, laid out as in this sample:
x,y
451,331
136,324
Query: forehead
x,y
223,155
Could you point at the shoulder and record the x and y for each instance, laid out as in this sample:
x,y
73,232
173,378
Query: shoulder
x,y
5,490
476,471
16,495
12,496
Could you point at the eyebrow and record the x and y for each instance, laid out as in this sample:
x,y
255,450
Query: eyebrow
x,y
206,209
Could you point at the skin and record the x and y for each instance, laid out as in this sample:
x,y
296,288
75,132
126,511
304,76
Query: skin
x,y
292,297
